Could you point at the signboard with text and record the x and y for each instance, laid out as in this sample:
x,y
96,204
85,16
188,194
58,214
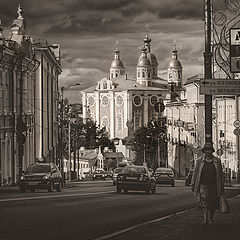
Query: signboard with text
x,y
220,86
235,50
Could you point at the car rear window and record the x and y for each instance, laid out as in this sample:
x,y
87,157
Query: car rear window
x,y
38,169
134,170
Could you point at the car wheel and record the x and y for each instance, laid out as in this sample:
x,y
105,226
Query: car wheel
x,y
50,188
114,183
118,190
125,191
59,187
173,184
32,190
22,189
93,179
104,179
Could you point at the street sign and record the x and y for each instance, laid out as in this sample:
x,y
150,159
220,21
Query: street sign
x,y
219,152
235,50
236,123
236,131
220,86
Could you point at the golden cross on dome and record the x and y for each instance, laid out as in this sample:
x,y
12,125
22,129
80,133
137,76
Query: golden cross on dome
x,y
117,44
175,44
147,29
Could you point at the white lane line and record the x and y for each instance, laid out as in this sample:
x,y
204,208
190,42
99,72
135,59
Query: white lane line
x,y
142,224
54,196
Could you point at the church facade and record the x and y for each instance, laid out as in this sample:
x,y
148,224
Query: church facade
x,y
122,104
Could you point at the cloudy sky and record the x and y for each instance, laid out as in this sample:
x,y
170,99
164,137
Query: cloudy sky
x,y
88,29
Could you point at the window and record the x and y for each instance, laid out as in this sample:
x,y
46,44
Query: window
x,y
105,85
105,122
119,123
137,101
116,75
143,74
111,75
149,75
137,122
91,101
139,74
153,99
105,101
119,101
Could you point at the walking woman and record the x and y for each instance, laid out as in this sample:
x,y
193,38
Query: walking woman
x,y
208,182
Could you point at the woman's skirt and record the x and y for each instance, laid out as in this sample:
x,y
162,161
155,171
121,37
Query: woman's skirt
x,y
208,198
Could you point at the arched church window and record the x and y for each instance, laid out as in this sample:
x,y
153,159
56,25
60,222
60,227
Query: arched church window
x,y
119,123
105,101
137,101
105,122
137,122
179,74
104,85
143,74
116,74
119,101
90,101
149,75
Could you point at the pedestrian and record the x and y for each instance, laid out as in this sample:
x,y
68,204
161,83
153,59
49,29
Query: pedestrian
x,y
208,182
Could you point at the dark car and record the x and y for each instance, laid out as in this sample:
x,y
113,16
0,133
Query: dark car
x,y
115,174
41,176
99,175
188,178
135,178
165,176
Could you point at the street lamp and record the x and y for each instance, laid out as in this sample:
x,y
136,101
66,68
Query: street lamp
x,y
69,132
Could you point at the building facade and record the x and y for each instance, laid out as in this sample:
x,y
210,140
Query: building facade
x,y
123,104
20,74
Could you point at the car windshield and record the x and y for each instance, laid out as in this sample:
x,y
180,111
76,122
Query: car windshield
x,y
134,170
118,170
164,170
38,169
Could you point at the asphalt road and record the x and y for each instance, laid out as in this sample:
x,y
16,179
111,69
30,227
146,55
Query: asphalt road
x,y
85,211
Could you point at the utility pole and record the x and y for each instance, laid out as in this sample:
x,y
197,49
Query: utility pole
x,y
237,142
208,70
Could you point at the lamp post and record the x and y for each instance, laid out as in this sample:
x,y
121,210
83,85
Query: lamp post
x,y
69,131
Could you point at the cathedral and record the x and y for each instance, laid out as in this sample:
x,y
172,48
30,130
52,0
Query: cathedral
x,y
123,104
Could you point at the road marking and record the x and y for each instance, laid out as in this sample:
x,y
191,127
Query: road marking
x,y
142,224
54,196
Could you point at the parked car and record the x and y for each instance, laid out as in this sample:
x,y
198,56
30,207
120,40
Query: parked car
x,y
115,174
135,178
41,176
99,175
188,178
164,175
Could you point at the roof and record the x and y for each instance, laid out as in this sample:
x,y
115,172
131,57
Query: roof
x,y
123,84
113,155
117,63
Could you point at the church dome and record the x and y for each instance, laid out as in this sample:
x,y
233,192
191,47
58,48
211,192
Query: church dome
x,y
143,60
117,63
174,62
152,58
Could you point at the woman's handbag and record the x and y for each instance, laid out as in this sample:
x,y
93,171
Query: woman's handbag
x,y
224,205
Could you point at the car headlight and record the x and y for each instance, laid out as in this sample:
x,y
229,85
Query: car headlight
x,y
22,177
46,177
94,175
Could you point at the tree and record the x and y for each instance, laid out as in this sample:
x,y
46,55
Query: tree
x,y
146,140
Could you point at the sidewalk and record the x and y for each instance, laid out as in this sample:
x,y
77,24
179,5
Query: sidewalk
x,y
187,226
